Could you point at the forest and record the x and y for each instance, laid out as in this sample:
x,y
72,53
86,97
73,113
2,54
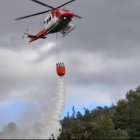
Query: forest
x,y
116,122
120,121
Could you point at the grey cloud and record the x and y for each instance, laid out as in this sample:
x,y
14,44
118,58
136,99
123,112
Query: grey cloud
x,y
101,54
109,28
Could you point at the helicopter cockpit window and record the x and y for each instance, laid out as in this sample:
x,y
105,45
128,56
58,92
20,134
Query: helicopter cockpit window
x,y
49,18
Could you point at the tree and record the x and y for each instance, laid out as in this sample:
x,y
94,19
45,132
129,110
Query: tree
x,y
87,115
73,112
104,128
10,131
122,115
127,116
79,115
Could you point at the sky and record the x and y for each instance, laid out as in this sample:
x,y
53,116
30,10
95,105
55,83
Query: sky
x,y
101,55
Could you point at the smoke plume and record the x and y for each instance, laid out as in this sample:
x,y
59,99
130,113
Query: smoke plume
x,y
58,108
46,124
30,102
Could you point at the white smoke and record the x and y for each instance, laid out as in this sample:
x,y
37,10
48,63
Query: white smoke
x,y
51,122
27,81
58,108
50,118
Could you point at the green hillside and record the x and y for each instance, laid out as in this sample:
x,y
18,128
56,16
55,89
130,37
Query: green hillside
x,y
117,122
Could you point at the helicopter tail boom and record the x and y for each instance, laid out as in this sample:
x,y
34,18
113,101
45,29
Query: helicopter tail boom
x,y
41,35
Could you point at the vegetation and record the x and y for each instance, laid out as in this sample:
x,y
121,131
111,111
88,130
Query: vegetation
x,y
116,122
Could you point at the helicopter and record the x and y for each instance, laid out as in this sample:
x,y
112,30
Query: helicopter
x,y
59,20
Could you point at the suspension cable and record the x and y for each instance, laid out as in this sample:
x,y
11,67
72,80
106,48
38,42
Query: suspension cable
x,y
57,54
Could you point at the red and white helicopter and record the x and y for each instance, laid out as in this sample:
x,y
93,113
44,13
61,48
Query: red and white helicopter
x,y
57,21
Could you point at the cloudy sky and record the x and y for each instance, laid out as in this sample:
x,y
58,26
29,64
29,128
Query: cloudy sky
x,y
101,55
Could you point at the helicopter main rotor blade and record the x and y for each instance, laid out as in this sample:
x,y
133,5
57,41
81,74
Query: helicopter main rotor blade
x,y
77,16
33,15
65,4
41,3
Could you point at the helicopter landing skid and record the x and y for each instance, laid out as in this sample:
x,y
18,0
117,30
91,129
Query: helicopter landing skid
x,y
67,30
